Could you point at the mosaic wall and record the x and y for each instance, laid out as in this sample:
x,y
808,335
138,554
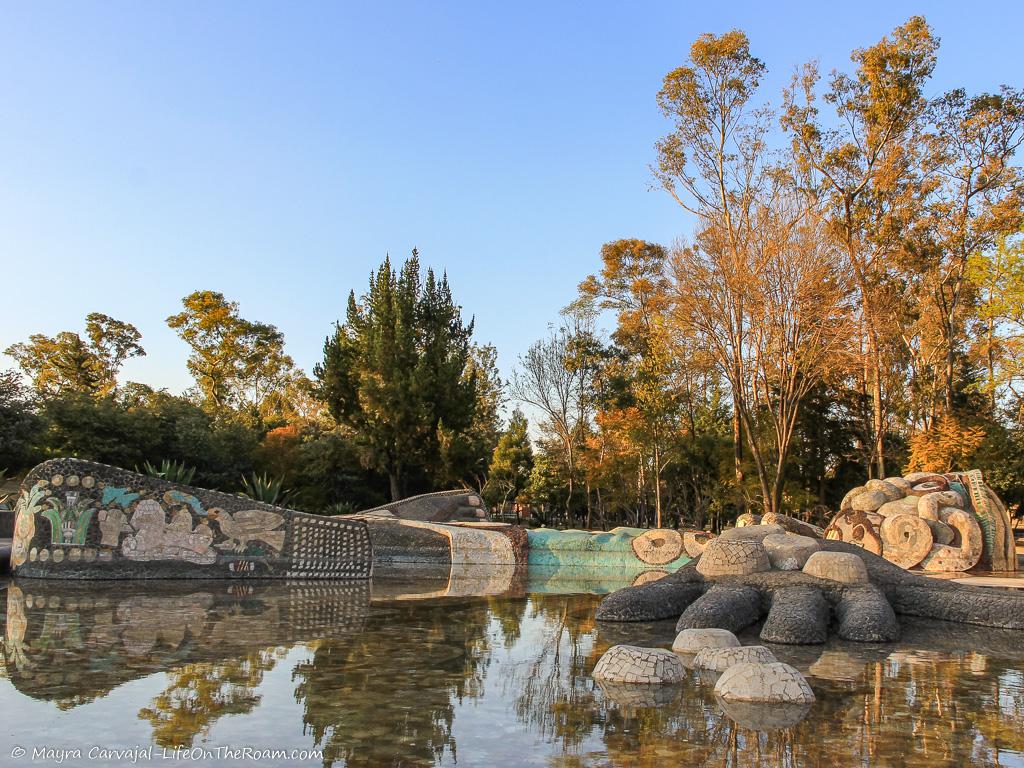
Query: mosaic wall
x,y
78,519
440,507
619,548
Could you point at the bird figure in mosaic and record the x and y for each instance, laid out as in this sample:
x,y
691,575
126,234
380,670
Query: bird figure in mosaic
x,y
246,526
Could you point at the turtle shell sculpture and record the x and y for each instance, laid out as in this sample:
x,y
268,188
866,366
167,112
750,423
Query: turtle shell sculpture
x,y
935,522
804,588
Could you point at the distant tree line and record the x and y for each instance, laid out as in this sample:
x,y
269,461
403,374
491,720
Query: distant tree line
x,y
404,401
848,305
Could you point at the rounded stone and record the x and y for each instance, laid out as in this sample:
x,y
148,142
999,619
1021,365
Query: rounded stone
x,y
772,682
869,501
695,541
658,546
902,483
731,557
751,532
721,659
941,532
789,552
892,493
904,506
843,567
847,502
633,664
696,640
906,540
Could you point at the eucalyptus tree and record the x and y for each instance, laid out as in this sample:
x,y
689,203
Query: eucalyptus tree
x,y
860,171
70,364
715,163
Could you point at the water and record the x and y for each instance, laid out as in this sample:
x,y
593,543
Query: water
x,y
390,674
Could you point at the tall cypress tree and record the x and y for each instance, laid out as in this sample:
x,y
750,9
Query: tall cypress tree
x,y
395,373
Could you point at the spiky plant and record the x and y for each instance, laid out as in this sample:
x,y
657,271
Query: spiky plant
x,y
264,488
339,508
172,471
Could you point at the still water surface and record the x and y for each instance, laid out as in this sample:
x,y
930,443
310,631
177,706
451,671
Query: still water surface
x,y
394,674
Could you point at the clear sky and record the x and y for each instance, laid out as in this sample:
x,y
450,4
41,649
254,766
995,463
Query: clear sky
x,y
276,151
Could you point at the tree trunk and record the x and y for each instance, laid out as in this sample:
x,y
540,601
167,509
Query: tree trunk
x,y
949,367
737,449
876,404
990,353
657,486
396,485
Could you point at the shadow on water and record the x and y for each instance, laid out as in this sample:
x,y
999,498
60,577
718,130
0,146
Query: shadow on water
x,y
430,669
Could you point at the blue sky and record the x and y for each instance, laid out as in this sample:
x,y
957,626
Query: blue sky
x,y
276,151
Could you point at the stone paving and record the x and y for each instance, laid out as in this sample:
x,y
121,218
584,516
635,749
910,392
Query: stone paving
x,y
721,659
695,640
633,664
764,682
733,557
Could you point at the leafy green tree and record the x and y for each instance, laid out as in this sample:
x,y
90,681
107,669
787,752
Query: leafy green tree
x,y
511,464
395,373
237,363
633,284
997,275
67,363
19,424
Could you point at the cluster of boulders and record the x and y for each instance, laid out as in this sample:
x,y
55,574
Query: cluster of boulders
x,y
742,674
935,522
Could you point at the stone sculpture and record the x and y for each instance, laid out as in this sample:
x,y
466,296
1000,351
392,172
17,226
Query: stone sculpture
x,y
771,682
81,520
632,664
622,547
936,522
734,585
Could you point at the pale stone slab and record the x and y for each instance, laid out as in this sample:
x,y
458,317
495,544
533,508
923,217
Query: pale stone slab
x,y
767,682
721,659
843,567
633,664
789,552
732,557
696,640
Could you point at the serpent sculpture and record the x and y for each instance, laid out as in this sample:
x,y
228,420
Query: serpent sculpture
x,y
798,585
937,522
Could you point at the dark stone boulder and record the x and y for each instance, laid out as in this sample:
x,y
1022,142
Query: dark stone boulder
x,y
865,616
799,615
726,606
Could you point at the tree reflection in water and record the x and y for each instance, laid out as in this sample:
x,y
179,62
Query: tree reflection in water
x,y
407,682
199,694
387,697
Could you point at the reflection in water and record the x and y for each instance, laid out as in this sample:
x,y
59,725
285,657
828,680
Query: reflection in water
x,y
391,674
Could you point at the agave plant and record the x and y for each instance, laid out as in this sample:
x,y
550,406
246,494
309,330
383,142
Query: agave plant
x,y
3,496
339,508
172,471
264,488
